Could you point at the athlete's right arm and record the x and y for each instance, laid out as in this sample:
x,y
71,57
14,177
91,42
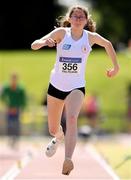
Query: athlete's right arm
x,y
50,39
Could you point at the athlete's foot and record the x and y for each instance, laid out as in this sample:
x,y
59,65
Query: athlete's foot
x,y
52,147
67,167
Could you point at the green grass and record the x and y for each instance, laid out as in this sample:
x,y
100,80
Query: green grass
x,y
118,156
34,69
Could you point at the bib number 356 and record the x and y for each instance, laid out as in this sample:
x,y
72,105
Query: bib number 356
x,y
70,66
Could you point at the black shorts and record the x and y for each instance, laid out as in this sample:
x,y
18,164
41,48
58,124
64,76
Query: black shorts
x,y
61,94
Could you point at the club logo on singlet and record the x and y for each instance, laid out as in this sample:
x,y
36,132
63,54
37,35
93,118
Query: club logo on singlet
x,y
69,65
66,46
84,49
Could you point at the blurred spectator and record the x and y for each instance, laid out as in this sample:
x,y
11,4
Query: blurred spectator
x,y
91,108
45,114
14,98
91,113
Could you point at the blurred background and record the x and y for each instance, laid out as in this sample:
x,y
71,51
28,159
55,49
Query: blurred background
x,y
106,110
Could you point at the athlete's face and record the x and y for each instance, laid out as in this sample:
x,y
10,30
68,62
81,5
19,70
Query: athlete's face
x,y
78,19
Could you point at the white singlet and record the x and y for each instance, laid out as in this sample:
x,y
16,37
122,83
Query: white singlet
x,y
69,70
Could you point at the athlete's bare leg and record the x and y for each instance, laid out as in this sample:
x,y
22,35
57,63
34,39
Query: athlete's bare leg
x,y
73,105
55,108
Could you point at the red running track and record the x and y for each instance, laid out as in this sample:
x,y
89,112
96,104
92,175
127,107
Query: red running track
x,y
34,165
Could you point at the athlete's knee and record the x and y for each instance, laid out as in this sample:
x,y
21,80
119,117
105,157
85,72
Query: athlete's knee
x,y
52,131
72,119
57,132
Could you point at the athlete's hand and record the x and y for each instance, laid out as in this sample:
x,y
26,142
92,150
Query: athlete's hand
x,y
112,72
50,42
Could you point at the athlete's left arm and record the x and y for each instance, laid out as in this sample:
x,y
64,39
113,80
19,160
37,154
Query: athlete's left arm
x,y
95,38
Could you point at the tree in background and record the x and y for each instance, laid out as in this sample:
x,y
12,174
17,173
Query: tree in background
x,y
115,17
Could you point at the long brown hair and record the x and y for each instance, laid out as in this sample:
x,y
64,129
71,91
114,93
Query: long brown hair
x,y
62,21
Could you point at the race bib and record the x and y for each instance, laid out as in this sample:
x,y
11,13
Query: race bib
x,y
69,65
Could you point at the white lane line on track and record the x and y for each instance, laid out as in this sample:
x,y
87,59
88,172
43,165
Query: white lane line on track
x,y
17,167
90,149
